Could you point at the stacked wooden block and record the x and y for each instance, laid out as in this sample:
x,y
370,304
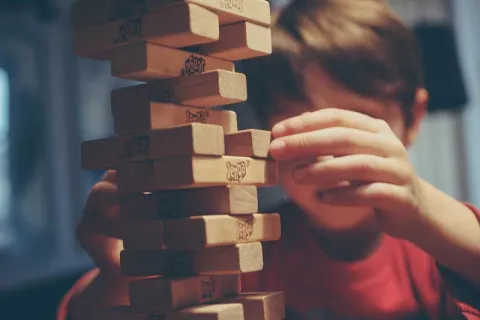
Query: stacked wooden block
x,y
187,177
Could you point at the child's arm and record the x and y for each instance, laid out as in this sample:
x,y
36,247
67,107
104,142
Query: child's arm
x,y
65,307
450,232
91,294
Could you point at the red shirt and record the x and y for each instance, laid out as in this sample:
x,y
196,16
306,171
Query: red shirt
x,y
397,281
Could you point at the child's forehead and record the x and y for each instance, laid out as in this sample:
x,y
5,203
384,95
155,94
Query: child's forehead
x,y
322,91
317,101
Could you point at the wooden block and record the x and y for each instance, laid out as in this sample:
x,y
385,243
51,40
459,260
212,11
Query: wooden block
x,y
229,11
99,153
234,199
260,305
162,296
194,172
127,313
178,26
240,41
188,139
220,230
198,232
147,62
86,13
137,118
237,259
145,235
209,89
248,143
230,311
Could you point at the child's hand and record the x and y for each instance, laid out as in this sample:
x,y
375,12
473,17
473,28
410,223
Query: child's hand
x,y
367,155
99,234
99,228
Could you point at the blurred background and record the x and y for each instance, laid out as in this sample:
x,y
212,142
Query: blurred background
x,y
51,100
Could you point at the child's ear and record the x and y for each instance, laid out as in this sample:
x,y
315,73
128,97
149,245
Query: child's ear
x,y
420,107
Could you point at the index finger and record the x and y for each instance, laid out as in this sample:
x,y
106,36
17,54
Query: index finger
x,y
327,118
330,142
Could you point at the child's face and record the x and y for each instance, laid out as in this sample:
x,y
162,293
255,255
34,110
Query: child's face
x,y
328,94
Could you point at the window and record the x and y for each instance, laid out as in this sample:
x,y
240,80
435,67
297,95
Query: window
x,y
6,227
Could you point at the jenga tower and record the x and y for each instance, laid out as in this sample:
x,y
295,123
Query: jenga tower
x,y
187,177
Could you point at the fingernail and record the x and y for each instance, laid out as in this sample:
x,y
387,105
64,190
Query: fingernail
x,y
299,173
277,145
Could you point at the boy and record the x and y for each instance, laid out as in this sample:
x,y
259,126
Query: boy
x,y
363,236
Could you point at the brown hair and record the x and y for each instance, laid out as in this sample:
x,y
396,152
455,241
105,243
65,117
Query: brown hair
x,y
362,44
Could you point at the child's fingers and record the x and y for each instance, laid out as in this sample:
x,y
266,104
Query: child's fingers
x,y
327,118
100,214
361,167
334,141
382,196
98,230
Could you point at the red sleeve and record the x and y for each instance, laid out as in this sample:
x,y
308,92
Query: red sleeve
x,y
467,295
64,308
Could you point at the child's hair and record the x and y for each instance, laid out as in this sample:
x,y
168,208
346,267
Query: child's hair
x,y
362,44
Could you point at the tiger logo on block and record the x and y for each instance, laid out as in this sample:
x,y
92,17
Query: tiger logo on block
x,y
236,172
208,287
245,228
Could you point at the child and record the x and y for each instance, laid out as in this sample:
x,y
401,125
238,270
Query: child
x,y
363,236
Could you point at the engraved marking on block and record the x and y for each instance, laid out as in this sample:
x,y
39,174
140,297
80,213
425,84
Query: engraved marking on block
x,y
193,64
129,29
245,228
237,171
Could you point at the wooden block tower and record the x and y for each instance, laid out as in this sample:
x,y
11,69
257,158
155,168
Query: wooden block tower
x,y
187,177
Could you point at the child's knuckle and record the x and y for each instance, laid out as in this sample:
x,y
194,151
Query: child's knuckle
x,y
333,117
386,192
366,167
405,174
343,138
302,142
295,144
287,127
301,122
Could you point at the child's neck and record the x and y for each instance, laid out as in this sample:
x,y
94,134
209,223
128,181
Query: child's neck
x,y
353,244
